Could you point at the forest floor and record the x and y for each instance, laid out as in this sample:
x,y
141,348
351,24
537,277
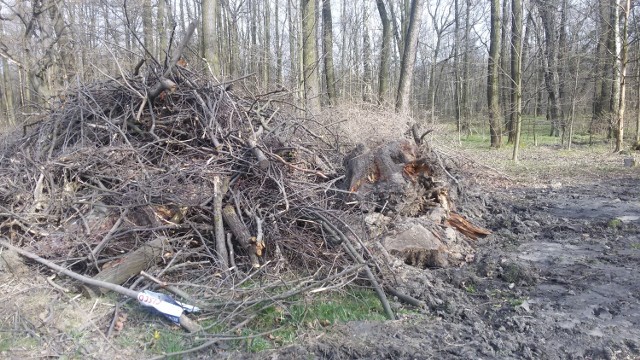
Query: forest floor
x,y
558,279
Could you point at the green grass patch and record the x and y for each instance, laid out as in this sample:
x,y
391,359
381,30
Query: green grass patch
x,y
614,224
13,342
288,320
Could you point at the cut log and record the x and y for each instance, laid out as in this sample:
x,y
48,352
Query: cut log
x,y
461,224
130,265
241,234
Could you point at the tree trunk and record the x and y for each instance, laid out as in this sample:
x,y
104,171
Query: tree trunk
x,y
147,27
626,7
562,69
431,91
456,67
279,79
266,47
616,76
385,53
64,44
327,44
493,77
7,87
506,83
409,58
310,57
604,100
161,25
396,30
210,35
551,77
516,73
293,51
464,98
638,100
367,76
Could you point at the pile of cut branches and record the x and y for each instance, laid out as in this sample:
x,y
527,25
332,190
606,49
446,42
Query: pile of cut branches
x,y
227,188
229,202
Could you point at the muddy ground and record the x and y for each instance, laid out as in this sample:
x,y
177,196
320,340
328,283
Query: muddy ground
x,y
559,279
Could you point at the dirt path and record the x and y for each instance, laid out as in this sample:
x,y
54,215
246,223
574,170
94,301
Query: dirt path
x,y
559,279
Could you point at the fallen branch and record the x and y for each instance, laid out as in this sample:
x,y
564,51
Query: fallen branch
x,y
405,298
219,189
130,265
185,322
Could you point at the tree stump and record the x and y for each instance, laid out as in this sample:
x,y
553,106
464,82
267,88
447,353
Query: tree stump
x,y
392,177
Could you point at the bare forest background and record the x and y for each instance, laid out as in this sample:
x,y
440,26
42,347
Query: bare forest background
x,y
567,65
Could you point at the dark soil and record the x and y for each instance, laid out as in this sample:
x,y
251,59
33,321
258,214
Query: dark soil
x,y
558,279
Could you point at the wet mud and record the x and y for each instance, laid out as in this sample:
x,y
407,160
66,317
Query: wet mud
x,y
558,279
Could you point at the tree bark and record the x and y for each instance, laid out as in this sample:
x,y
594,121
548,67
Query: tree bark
x,y
131,265
506,83
409,58
614,51
266,47
551,77
367,76
161,25
637,142
7,86
219,189
279,79
210,35
241,233
327,44
385,53
493,78
516,73
310,57
147,27
626,8
464,98
456,66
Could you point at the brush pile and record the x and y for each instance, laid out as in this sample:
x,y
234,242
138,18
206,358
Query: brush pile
x,y
210,191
